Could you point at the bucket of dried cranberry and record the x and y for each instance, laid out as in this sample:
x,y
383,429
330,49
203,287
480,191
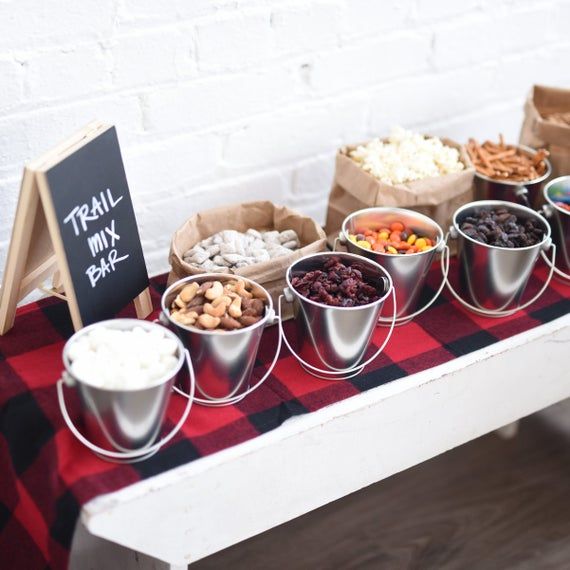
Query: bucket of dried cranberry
x,y
498,245
404,243
337,299
557,212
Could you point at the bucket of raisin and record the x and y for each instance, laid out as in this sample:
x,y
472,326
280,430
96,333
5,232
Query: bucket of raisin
x,y
557,212
405,243
498,245
337,299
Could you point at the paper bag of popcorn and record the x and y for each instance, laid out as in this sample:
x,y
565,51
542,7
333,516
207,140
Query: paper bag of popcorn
x,y
262,216
360,183
547,125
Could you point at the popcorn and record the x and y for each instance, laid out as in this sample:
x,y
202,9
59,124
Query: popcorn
x,y
407,156
123,359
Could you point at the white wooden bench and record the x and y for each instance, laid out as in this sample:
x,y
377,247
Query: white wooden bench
x,y
181,516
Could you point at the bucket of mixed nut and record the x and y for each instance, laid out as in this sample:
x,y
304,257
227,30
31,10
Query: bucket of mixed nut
x,y
220,319
498,245
337,299
253,240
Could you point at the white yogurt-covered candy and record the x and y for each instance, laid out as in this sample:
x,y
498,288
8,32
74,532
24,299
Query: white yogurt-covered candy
x,y
229,249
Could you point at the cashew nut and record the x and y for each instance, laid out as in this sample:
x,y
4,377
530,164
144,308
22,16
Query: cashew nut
x,y
223,299
179,302
234,309
241,290
189,292
208,321
229,289
214,291
218,311
185,318
189,318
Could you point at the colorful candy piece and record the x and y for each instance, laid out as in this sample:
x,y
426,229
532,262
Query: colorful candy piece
x,y
394,240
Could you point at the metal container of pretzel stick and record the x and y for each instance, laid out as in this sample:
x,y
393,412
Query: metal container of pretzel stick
x,y
525,192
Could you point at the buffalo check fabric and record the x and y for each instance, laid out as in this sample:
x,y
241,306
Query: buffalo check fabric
x,y
46,475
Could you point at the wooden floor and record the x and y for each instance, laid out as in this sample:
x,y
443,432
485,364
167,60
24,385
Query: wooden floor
x,y
490,504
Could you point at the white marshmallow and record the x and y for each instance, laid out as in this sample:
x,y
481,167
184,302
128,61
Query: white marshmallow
x,y
115,359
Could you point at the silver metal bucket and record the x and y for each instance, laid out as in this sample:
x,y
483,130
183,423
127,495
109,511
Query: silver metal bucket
x,y
493,279
526,193
559,220
121,425
332,341
223,360
408,272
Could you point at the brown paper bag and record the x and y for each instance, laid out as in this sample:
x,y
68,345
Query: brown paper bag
x,y
262,215
538,132
354,189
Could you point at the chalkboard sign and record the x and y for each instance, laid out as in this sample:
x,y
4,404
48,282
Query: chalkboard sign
x,y
86,206
93,207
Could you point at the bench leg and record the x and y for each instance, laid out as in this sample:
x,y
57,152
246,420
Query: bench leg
x,y
509,431
90,552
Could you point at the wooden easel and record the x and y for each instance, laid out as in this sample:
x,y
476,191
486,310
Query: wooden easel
x,y
36,249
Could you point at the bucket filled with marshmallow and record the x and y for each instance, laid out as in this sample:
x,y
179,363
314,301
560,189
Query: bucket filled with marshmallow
x,y
123,371
220,320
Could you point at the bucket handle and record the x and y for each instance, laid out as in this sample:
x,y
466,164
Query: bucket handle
x,y
546,212
522,193
127,456
346,371
497,314
550,263
445,272
236,399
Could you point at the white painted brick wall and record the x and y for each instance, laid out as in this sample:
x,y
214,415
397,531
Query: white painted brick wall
x,y
219,101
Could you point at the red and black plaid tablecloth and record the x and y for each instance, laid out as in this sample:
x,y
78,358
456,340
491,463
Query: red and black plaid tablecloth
x,y
46,475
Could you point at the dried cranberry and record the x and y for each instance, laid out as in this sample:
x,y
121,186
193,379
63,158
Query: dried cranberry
x,y
336,285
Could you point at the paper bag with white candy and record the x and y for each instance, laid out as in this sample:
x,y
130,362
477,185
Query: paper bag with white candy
x,y
257,240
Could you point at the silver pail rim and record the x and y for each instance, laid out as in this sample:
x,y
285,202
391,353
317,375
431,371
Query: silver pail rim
x,y
516,183
502,204
217,277
404,211
342,255
549,199
124,324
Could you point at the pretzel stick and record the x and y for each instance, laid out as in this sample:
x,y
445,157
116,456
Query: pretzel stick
x,y
504,154
506,162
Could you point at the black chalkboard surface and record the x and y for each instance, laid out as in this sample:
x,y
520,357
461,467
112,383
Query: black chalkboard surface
x,y
92,204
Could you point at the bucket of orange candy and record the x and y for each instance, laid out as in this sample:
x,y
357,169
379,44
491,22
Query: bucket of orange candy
x,y
402,241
